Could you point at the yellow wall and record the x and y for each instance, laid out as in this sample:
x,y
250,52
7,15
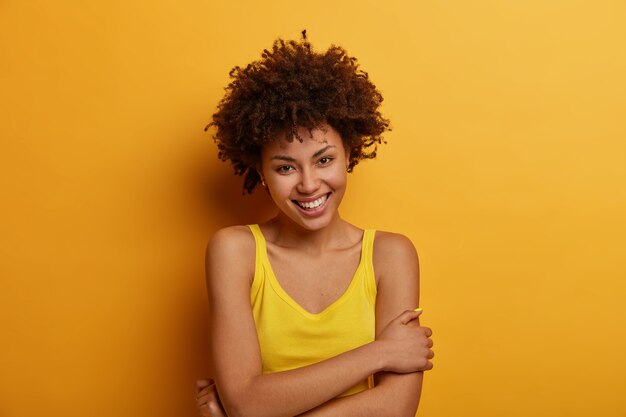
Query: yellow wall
x,y
506,167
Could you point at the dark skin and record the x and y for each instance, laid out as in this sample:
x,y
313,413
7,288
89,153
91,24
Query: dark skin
x,y
402,349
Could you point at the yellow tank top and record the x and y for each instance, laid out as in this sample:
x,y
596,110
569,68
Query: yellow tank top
x,y
291,337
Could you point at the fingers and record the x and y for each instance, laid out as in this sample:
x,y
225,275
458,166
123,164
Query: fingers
x,y
207,399
430,354
205,389
203,395
408,316
427,331
202,383
429,344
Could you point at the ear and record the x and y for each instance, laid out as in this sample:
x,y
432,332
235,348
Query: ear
x,y
259,171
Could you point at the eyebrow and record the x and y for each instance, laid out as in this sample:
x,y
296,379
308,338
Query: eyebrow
x,y
321,151
291,159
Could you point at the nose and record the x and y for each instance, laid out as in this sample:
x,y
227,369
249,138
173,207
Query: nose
x,y
309,181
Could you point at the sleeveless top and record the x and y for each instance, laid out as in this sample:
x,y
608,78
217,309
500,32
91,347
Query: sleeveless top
x,y
291,337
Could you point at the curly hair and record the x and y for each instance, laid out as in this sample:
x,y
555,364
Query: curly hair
x,y
292,86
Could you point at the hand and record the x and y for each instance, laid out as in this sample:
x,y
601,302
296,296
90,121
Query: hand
x,y
406,345
207,399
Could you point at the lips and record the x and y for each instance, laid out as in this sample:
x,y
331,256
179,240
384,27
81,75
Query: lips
x,y
312,206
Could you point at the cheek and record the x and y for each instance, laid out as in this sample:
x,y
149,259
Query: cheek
x,y
338,178
280,188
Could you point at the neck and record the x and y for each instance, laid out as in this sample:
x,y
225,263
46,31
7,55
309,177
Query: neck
x,y
288,234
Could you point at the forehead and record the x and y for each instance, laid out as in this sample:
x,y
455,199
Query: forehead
x,y
312,140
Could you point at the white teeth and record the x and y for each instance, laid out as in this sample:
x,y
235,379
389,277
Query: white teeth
x,y
313,204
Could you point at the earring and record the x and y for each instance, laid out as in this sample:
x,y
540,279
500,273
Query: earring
x,y
263,182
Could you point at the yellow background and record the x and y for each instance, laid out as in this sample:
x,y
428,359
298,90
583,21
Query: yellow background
x,y
506,167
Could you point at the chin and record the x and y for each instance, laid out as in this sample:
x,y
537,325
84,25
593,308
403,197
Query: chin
x,y
315,220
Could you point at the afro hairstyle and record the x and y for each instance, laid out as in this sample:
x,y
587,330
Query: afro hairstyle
x,y
291,86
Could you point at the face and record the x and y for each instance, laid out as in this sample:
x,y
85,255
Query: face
x,y
307,180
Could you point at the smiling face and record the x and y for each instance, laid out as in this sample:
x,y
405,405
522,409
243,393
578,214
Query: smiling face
x,y
307,180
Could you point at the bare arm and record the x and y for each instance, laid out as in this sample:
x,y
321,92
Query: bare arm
x,y
396,263
243,389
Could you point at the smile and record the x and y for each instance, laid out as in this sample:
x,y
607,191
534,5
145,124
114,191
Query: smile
x,y
312,205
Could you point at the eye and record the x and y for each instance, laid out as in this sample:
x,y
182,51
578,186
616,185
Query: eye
x,y
325,160
284,169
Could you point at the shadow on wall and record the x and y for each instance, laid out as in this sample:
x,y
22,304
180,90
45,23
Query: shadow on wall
x,y
216,200
226,196
219,195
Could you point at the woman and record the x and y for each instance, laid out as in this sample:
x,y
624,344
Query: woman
x,y
310,315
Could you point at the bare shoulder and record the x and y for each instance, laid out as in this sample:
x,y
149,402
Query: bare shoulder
x,y
394,254
230,249
232,238
394,246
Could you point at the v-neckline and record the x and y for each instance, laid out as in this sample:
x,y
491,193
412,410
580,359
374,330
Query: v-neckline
x,y
291,301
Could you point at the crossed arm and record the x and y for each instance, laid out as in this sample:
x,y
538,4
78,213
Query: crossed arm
x,y
398,356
